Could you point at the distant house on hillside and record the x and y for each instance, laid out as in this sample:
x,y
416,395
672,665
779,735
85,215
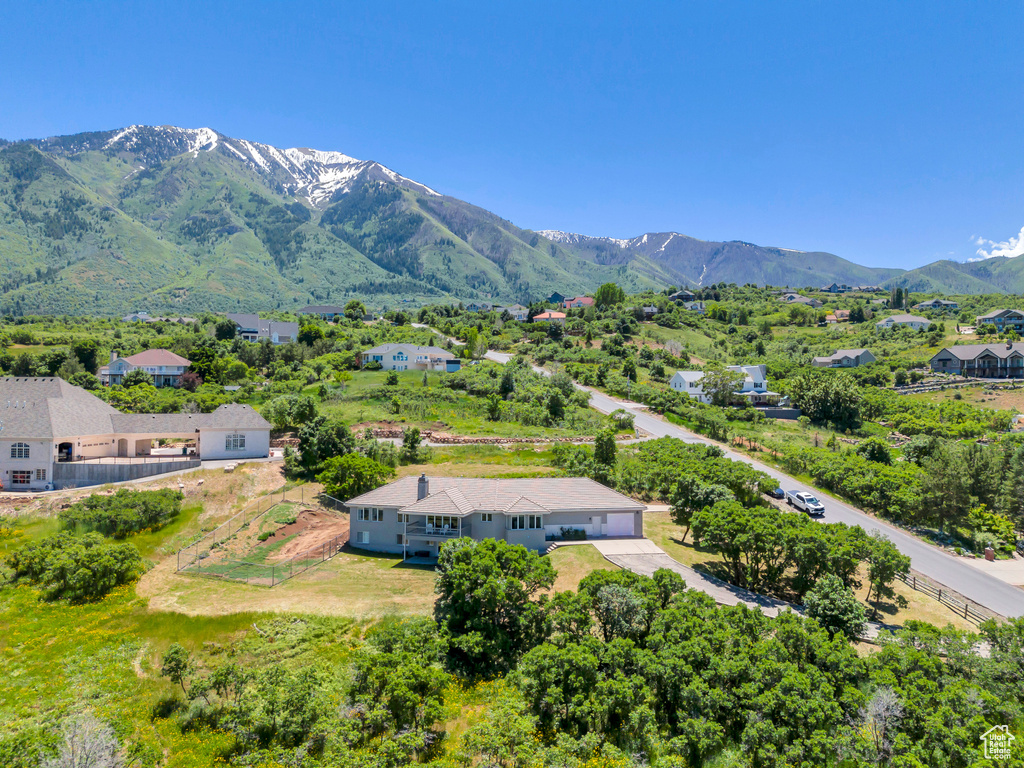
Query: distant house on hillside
x,y
145,317
910,321
844,358
649,311
556,298
479,306
941,305
404,357
680,297
550,317
253,328
694,306
985,361
578,301
164,366
753,385
837,288
325,312
1003,319
518,312
796,298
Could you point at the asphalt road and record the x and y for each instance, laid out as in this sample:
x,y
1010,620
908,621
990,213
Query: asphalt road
x,y
945,569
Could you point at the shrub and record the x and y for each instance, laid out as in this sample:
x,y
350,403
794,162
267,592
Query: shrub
x,y
78,568
835,607
123,513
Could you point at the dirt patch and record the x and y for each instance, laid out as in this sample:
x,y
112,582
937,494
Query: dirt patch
x,y
312,528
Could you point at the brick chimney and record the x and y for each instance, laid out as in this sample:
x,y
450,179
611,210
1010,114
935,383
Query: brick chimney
x,y
422,487
113,355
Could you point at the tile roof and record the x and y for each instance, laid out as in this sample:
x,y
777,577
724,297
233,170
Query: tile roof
x,y
550,316
383,349
464,495
905,318
322,309
972,351
47,407
158,357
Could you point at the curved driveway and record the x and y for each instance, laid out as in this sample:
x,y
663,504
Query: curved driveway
x,y
943,568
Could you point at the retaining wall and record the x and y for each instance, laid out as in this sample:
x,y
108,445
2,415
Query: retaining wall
x,y
78,475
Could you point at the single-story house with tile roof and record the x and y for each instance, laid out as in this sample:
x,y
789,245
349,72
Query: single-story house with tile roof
x,y
796,298
53,433
518,312
410,357
939,304
415,516
164,366
254,328
844,358
324,311
550,317
910,321
984,361
578,301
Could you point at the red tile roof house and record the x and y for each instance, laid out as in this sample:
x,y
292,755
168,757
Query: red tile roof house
x,y
550,317
163,365
577,302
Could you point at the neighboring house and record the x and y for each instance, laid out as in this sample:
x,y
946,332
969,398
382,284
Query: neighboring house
x,y
325,312
694,306
253,328
550,317
682,296
405,357
842,315
831,319
938,304
416,516
46,423
844,358
1003,319
518,312
649,311
837,288
163,365
556,298
911,321
984,361
479,306
578,301
796,298
753,386
145,317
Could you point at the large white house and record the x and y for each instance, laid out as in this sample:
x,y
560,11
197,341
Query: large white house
x,y
164,366
753,386
909,321
415,516
406,357
56,434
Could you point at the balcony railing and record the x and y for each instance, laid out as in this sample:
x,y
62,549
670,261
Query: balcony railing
x,y
421,530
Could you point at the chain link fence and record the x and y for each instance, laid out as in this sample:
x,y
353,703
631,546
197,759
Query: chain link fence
x,y
210,555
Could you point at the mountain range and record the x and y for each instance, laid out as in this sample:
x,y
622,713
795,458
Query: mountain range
x,y
172,219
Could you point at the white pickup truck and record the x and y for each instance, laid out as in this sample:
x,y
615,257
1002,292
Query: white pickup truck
x,y
805,502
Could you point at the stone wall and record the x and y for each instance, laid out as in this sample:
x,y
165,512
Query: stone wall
x,y
80,474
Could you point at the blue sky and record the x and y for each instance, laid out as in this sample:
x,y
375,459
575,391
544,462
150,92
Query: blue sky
x,y
888,133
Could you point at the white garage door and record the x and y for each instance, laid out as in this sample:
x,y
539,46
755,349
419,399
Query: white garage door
x,y
620,524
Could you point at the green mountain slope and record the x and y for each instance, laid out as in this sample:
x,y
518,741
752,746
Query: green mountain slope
x,y
996,275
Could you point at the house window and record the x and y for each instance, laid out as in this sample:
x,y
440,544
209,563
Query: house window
x,y
403,518
19,451
21,477
362,537
400,540
40,474
234,442
487,517
526,522
371,515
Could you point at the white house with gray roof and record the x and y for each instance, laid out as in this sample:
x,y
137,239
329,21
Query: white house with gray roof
x,y
844,358
410,357
53,433
416,516
916,322
254,328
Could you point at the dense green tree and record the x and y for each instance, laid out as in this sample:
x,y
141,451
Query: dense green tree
x,y
690,494
355,310
886,564
828,398
488,603
608,295
310,333
345,477
225,330
87,353
835,607
135,377
321,439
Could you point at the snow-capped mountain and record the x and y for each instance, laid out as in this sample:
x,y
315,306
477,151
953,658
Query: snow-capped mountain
x,y
316,175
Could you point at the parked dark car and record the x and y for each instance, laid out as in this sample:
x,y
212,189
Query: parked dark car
x,y
778,493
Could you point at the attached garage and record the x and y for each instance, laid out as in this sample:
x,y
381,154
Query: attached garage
x,y
620,524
